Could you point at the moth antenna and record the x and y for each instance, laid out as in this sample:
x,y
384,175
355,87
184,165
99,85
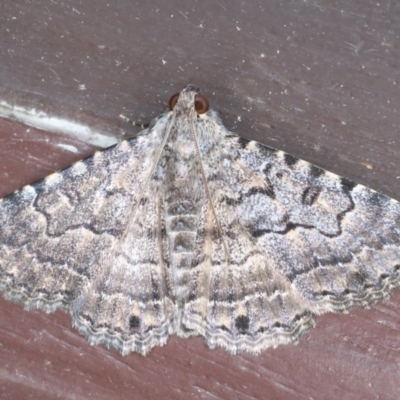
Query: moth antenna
x,y
134,123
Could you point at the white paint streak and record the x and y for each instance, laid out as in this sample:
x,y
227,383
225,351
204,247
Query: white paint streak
x,y
41,120
68,147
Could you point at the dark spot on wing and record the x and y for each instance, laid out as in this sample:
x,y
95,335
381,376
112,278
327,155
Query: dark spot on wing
x,y
290,160
242,323
315,171
347,184
134,322
224,328
243,142
269,191
360,278
310,195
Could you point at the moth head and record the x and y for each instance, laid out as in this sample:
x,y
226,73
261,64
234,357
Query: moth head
x,y
201,103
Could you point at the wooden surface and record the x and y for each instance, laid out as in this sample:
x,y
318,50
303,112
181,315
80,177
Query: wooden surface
x,y
318,79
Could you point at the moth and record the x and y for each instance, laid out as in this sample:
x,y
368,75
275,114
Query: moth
x,y
189,229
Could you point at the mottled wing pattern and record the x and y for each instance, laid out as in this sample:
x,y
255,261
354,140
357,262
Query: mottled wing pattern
x,y
88,239
301,242
337,242
189,229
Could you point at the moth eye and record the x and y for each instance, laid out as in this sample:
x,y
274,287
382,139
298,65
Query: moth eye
x,y
173,100
200,104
